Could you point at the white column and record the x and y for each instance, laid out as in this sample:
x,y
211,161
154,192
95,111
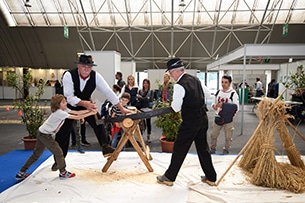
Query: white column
x,y
108,63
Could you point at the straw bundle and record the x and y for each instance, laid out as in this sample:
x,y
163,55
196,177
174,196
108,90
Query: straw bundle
x,y
267,115
259,159
295,178
267,172
292,152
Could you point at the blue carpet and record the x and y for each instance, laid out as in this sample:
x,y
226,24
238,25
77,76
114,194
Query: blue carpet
x,y
11,163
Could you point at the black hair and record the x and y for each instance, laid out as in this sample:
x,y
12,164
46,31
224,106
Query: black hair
x,y
116,87
119,74
227,77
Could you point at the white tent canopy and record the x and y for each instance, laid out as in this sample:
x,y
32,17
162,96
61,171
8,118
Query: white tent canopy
x,y
267,50
249,67
255,50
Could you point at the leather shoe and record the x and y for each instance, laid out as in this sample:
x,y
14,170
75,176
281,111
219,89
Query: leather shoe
x,y
205,180
107,150
85,143
164,180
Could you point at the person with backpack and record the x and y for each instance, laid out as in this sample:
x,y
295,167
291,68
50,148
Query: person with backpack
x,y
225,95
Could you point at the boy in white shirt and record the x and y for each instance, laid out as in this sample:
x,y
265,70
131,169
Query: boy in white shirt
x,y
49,128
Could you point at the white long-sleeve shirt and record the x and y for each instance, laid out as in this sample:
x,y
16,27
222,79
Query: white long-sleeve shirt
x,y
101,86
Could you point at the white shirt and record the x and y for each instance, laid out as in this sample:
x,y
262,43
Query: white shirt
x,y
225,97
101,86
54,122
259,85
206,90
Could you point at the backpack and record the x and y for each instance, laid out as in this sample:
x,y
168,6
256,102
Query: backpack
x,y
105,109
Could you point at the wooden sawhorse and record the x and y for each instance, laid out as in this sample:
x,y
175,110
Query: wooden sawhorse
x,y
131,128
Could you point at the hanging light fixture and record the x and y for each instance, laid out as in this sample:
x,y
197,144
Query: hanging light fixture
x,y
27,3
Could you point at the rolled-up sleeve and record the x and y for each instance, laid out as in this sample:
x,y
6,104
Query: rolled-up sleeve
x,y
68,87
103,87
206,90
178,95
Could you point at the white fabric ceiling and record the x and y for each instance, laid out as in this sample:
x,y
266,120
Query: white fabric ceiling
x,y
108,13
146,31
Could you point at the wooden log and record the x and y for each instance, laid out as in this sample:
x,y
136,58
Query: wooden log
x,y
127,122
130,128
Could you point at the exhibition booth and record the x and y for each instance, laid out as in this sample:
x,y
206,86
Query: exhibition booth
x,y
270,51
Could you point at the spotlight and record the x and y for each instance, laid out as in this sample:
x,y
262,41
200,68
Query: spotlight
x,y
182,4
27,3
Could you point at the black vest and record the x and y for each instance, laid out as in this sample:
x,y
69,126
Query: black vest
x,y
87,91
193,102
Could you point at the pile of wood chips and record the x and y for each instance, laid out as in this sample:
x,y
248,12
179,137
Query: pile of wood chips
x,y
259,161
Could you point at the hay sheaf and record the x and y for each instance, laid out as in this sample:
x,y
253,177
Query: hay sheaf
x,y
259,160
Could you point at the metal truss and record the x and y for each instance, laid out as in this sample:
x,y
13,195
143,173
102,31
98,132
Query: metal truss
x,y
152,31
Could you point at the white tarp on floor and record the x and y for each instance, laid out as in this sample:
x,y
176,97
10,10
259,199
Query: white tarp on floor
x,y
128,180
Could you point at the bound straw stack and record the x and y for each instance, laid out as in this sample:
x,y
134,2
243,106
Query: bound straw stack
x,y
259,160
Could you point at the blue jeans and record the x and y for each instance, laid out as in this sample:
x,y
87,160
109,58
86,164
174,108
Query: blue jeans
x,y
114,141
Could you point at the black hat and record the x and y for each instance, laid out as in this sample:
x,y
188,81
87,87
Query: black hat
x,y
174,63
86,60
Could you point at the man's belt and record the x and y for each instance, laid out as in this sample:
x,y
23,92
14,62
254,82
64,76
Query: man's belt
x,y
138,116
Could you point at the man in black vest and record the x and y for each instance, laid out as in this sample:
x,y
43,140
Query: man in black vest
x,y
188,97
78,86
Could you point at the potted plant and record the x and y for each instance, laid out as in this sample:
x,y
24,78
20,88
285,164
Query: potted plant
x,y
169,124
33,115
296,81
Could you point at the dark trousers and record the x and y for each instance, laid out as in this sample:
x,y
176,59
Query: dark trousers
x,y
296,111
192,130
63,135
259,93
83,131
148,123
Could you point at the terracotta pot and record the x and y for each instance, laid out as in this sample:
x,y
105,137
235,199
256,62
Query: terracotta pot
x,y
165,145
29,143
